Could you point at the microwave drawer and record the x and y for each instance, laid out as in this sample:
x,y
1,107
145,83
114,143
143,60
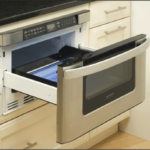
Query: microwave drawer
x,y
79,103
30,87
41,78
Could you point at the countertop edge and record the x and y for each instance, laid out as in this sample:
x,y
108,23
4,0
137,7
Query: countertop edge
x,y
41,12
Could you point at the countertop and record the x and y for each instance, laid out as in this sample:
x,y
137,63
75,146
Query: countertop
x,y
17,10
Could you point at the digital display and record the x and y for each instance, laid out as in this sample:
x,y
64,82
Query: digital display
x,y
51,27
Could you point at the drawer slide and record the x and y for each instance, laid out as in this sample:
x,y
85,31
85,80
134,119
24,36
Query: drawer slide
x,y
30,87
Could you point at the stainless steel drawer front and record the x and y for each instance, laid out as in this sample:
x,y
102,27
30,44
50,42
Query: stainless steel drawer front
x,y
9,39
71,120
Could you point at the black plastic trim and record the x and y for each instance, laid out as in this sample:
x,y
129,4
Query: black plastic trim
x,y
101,99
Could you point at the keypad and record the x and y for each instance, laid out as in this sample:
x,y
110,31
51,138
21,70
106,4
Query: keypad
x,y
34,32
49,27
66,22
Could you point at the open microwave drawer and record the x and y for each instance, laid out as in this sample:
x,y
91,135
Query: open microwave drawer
x,y
89,88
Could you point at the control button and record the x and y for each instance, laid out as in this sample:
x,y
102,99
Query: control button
x,y
58,26
25,32
40,31
34,29
28,34
34,32
43,30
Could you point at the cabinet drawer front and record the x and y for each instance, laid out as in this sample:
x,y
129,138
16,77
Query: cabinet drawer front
x,y
38,126
103,12
109,34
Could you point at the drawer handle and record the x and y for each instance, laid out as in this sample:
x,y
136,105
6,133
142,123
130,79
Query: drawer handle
x,y
119,28
30,145
115,10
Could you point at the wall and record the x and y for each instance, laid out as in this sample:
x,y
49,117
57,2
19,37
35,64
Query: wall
x,y
139,122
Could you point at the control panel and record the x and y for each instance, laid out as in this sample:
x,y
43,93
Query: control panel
x,y
34,32
49,27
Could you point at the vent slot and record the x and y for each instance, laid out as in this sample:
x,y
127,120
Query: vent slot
x,y
28,99
27,96
13,102
12,105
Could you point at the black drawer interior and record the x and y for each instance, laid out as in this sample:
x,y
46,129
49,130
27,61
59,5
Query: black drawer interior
x,y
30,70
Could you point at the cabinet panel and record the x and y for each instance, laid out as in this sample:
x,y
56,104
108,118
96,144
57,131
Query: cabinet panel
x,y
93,133
109,34
103,12
109,124
74,144
38,126
33,105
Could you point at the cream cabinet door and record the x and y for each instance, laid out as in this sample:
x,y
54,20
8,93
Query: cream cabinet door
x,y
109,34
37,127
103,12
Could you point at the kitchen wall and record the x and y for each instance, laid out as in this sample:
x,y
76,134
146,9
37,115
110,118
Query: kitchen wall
x,y
139,122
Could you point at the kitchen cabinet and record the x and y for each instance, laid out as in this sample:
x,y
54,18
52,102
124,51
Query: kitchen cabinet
x,y
111,33
103,12
32,106
36,127
139,122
